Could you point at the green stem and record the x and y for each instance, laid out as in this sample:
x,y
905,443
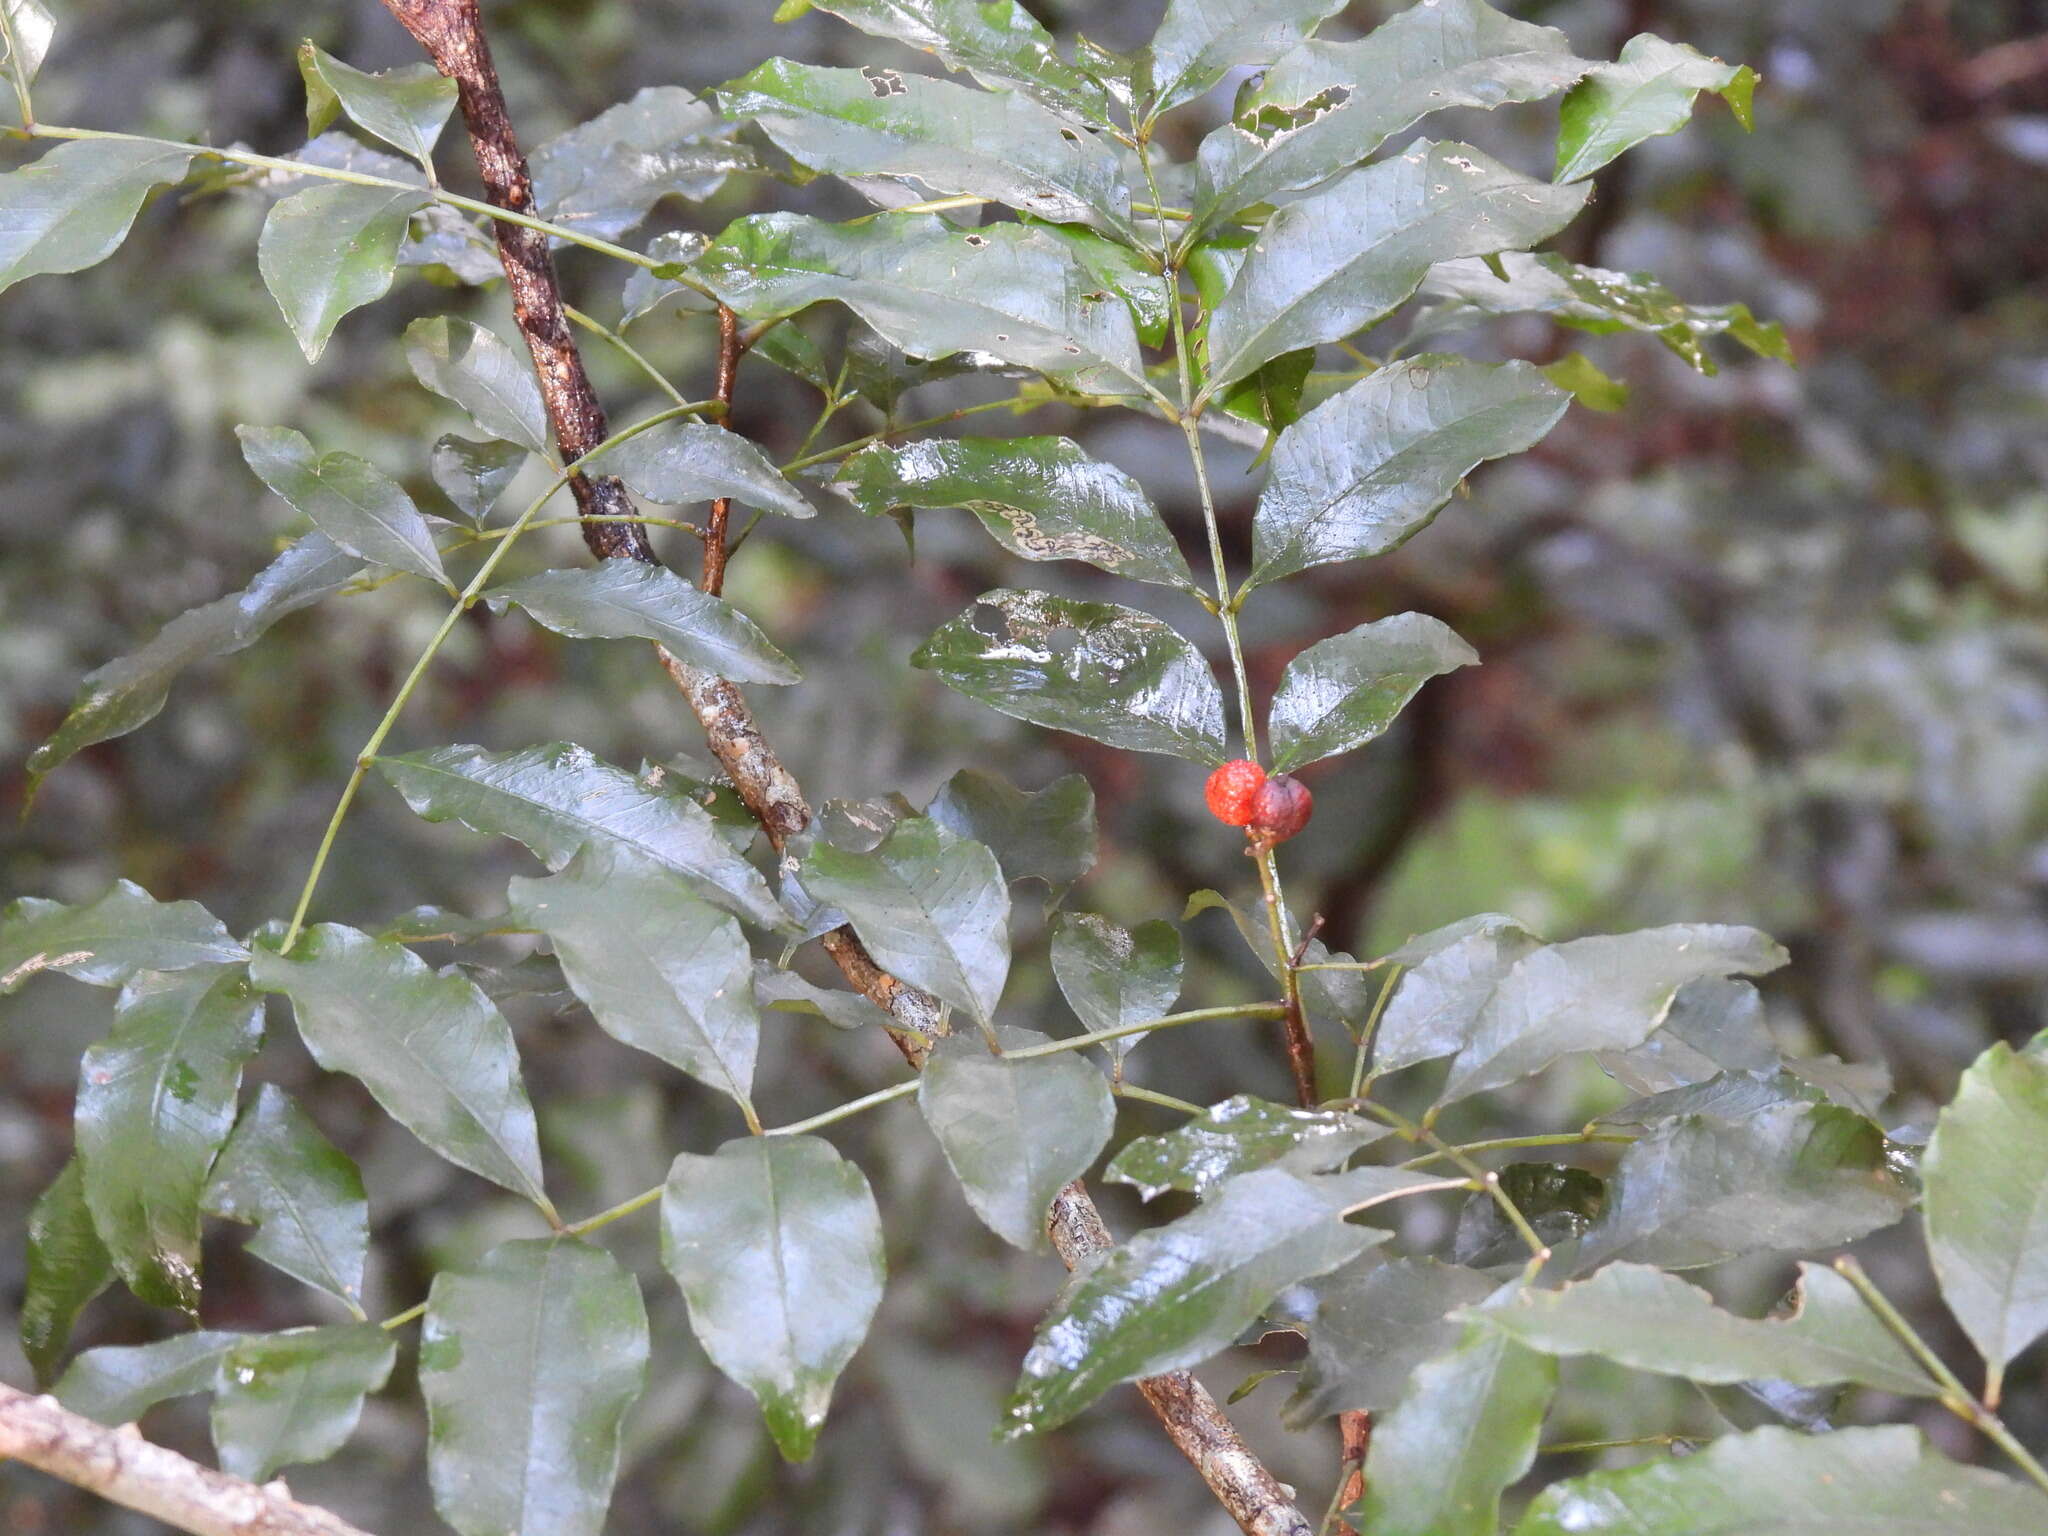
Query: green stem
x,y
1166,1021
618,1212
1149,1096
1008,402
485,535
627,350
848,1110
1435,1187
1566,1447
1367,1035
1516,1143
1408,1130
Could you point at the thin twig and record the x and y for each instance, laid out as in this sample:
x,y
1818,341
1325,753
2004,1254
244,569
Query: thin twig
x,y
729,350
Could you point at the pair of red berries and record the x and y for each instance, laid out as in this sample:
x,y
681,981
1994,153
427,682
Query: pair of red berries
x,y
1271,810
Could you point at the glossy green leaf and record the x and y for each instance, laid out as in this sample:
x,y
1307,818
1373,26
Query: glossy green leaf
x,y
118,1384
1325,106
777,1246
1339,260
1463,1433
1015,1133
1367,469
474,475
67,1267
302,1193
931,906
428,1045
282,1399
330,249
1642,1317
790,993
659,968
953,139
626,600
1715,1025
1007,291
71,208
1558,1201
646,290
998,41
1695,1190
1985,1169
1121,269
1239,1135
1046,834
407,107
109,942
1201,41
1097,669
1112,976
1579,375
530,1360
1043,498
1370,1325
471,366
156,1100
26,28
604,176
1648,92
1342,692
363,510
557,797
1778,1482
678,462
1728,1095
129,691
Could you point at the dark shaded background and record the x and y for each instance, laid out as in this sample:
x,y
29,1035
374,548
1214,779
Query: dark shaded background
x,y
1767,647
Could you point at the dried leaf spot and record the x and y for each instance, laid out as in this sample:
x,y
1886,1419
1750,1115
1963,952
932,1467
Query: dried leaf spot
x,y
977,241
884,82
44,961
1274,120
1043,544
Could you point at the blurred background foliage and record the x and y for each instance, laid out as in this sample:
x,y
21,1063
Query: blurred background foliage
x,y
1767,647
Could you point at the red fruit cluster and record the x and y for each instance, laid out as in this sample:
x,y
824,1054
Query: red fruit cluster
x,y
1271,810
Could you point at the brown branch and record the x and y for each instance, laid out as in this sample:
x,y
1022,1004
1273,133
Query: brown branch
x,y
730,346
118,1464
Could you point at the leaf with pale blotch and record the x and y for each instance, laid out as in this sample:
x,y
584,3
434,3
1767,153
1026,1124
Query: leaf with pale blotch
x,y
1015,1133
776,1244
428,1045
1046,834
1043,498
118,1384
1369,1325
557,797
1339,260
678,462
998,41
302,1193
283,1399
471,366
474,475
70,209
1097,669
530,1360
932,907
1239,1135
330,249
67,1267
659,968
604,176
1367,469
1648,92
1113,976
109,942
405,107
1201,41
1342,692
354,503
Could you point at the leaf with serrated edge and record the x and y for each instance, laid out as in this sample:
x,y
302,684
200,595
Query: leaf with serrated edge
x,y
70,209
281,1399
678,462
1648,92
1342,692
1112,976
474,368
303,1193
330,249
1201,41
110,941
67,1266
1046,834
354,503
1239,1135
405,107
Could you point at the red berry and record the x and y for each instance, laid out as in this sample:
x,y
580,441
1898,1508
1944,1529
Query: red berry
x,y
1232,789
1280,809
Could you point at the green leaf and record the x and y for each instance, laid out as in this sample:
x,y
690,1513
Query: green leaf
x,y
658,968
1647,93
109,942
1463,1433
67,1266
557,797
129,691
469,365
1370,1325
71,208
1112,976
777,1246
1715,1025
1728,1095
1336,261
1367,469
1175,1295
1043,498
1778,1482
474,475
625,600
117,1385
1695,1190
406,108
678,462
1588,385
281,1399
1237,1136
428,1045
1986,1172
1015,1133
790,993
1201,41
930,905
1342,692
1652,1321
530,1360
330,249
646,290
354,503
998,41
1046,834
304,1195
1009,291
26,28
1122,269
1558,1201
156,1100
606,175
992,144
1097,669
1325,106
